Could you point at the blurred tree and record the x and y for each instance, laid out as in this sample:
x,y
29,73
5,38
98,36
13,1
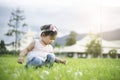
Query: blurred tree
x,y
3,49
112,53
56,44
71,39
94,47
15,22
2,45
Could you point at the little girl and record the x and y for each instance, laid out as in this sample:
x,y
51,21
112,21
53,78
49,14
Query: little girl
x,y
40,52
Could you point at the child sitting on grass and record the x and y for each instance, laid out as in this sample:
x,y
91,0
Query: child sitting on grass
x,y
40,52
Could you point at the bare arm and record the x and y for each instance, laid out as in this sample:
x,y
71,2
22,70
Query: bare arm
x,y
25,51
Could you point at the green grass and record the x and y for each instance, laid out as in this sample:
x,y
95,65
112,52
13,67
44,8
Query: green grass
x,y
76,69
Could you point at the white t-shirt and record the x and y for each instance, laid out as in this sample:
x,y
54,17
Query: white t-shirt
x,y
40,51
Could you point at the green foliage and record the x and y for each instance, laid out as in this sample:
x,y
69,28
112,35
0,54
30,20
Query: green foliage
x,y
4,51
7,52
56,45
94,47
71,39
2,45
15,22
112,53
76,69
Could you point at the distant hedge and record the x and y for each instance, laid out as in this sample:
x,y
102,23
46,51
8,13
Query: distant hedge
x,y
13,52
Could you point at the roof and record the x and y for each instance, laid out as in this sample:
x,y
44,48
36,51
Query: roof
x,y
80,46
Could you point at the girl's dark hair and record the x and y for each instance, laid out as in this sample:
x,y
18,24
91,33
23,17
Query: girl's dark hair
x,y
46,29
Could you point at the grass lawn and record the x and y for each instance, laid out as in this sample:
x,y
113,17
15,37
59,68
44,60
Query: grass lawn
x,y
76,69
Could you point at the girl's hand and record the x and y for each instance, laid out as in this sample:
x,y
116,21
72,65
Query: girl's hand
x,y
20,60
63,61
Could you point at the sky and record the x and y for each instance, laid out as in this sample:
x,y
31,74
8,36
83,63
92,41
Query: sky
x,y
81,16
